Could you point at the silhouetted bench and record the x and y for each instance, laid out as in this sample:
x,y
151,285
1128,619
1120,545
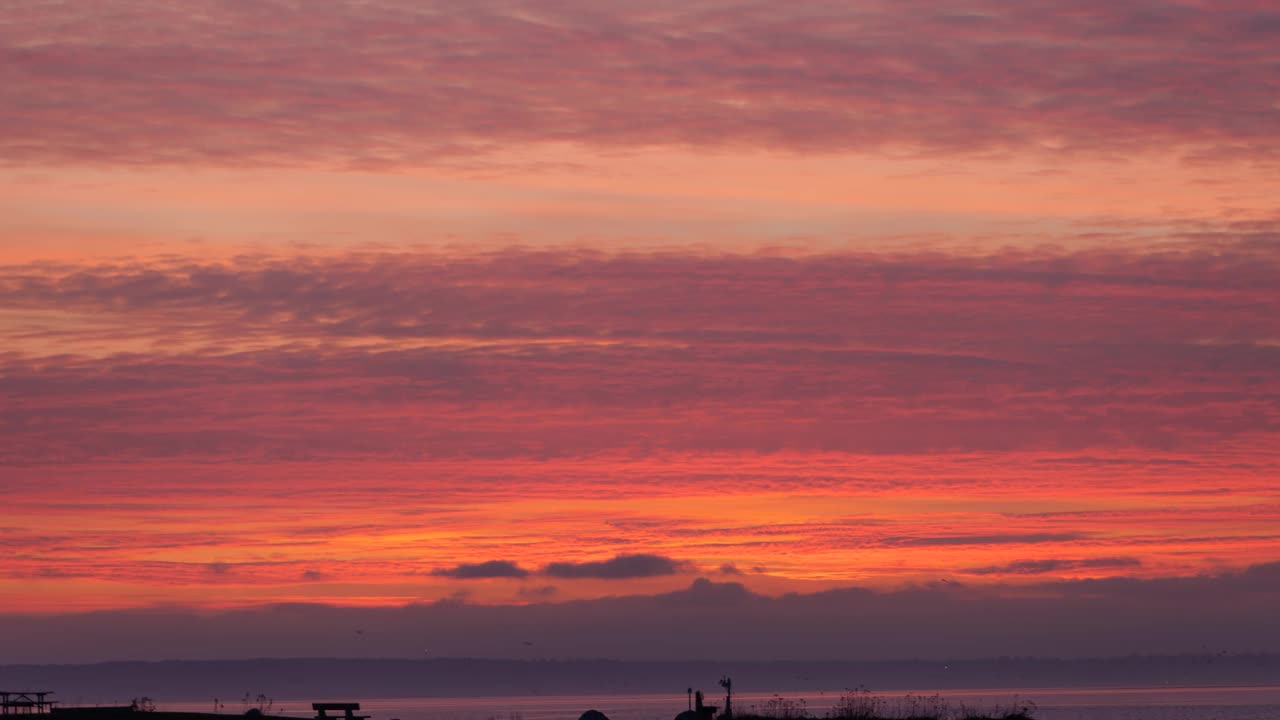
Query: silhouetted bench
x,y
348,711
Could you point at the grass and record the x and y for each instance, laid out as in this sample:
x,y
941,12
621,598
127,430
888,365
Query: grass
x,y
860,704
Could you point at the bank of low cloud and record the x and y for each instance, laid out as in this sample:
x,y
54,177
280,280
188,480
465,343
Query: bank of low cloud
x,y
1231,612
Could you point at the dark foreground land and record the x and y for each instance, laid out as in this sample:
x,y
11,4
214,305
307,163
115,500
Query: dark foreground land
x,y
856,705
129,713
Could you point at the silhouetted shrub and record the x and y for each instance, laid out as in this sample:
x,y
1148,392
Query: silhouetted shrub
x,y
860,704
778,708
857,704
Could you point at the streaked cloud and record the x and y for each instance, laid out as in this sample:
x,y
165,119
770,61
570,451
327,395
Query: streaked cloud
x,y
426,83
989,539
904,416
1163,348
1053,565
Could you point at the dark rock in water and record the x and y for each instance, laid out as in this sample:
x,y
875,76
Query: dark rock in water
x,y
593,715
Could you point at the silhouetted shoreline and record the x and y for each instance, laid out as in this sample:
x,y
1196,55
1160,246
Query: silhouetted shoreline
x,y
858,704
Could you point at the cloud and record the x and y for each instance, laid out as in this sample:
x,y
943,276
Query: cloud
x,y
1080,618
540,592
708,593
990,539
618,568
421,83
489,569
365,394
458,598
1040,567
856,352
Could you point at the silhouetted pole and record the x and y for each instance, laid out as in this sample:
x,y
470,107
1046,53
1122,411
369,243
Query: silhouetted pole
x,y
727,683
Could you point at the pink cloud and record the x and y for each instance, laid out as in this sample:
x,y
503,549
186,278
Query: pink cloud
x,y
556,354
419,83
428,395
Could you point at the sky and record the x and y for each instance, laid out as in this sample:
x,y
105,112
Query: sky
x,y
959,321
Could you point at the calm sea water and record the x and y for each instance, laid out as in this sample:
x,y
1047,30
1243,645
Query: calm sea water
x,y
1147,703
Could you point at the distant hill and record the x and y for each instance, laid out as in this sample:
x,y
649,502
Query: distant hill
x,y
170,681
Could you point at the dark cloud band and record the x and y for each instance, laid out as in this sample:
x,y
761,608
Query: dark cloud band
x,y
621,567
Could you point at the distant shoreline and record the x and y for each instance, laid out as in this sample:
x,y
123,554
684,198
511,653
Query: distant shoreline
x,y
471,677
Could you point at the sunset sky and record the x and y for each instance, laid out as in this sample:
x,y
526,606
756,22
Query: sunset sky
x,y
550,306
